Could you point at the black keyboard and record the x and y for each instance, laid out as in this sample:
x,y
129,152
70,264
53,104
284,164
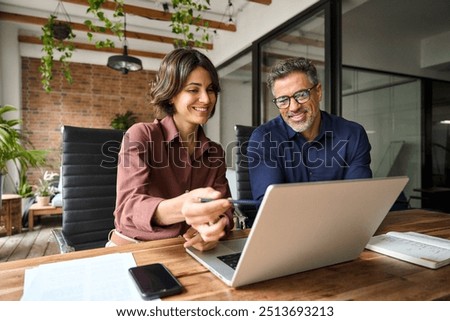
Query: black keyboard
x,y
230,259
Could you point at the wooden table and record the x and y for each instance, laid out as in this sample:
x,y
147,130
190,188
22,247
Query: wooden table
x,y
11,214
370,277
37,210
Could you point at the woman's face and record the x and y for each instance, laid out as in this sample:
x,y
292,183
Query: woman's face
x,y
196,100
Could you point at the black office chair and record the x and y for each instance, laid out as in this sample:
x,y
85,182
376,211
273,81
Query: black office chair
x,y
246,214
89,171
401,204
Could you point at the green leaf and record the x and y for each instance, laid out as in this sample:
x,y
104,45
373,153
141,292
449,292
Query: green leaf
x,y
184,16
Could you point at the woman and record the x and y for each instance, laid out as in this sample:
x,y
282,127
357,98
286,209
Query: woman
x,y
165,167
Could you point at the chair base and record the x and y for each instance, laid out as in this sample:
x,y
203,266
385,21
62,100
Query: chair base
x,y
59,237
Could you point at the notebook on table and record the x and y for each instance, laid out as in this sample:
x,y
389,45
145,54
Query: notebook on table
x,y
304,226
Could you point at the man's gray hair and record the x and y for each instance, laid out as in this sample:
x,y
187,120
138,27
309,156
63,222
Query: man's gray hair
x,y
285,67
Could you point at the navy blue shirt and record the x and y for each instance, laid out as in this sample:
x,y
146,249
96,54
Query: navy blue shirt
x,y
278,154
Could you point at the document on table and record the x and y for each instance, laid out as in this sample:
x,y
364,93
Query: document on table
x,y
429,251
101,278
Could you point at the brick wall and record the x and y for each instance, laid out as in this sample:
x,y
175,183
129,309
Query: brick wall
x,y
97,94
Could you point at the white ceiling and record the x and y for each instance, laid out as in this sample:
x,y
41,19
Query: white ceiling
x,y
413,20
77,14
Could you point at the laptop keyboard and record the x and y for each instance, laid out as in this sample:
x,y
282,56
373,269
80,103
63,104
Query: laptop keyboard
x,y
230,259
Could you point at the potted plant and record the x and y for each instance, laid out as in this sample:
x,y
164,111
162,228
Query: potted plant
x,y
123,121
13,150
45,190
25,190
61,30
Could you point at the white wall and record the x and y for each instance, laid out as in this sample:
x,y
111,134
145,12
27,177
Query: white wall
x,y
375,36
237,110
370,51
10,79
435,51
10,65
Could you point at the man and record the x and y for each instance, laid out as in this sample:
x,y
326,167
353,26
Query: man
x,y
303,143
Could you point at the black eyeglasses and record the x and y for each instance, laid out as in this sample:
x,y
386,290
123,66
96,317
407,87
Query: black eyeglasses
x,y
301,97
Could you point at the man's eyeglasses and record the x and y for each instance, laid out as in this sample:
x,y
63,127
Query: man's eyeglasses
x,y
301,97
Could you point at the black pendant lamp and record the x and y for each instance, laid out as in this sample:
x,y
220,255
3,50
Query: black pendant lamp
x,y
124,63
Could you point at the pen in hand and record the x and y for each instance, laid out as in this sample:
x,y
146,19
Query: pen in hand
x,y
233,201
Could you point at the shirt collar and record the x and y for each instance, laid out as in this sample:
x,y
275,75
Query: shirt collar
x,y
169,128
172,134
326,126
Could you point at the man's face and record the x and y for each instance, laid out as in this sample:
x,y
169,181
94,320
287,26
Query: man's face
x,y
301,117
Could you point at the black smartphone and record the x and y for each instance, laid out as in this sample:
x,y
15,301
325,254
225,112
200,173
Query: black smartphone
x,y
155,281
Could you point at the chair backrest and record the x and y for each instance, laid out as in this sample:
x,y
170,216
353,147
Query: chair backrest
x,y
89,171
243,187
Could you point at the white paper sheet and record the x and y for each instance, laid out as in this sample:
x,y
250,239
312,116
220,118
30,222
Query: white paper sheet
x,y
102,278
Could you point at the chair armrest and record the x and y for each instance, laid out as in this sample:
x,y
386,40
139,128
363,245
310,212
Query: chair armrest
x,y
239,219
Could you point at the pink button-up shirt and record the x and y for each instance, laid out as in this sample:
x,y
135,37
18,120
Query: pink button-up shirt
x,y
154,166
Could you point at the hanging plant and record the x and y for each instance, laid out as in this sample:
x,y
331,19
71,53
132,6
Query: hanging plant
x,y
116,27
54,39
186,21
52,45
61,30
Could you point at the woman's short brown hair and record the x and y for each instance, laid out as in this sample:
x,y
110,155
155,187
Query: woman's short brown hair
x,y
173,73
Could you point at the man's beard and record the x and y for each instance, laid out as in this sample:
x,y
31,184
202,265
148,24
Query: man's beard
x,y
301,126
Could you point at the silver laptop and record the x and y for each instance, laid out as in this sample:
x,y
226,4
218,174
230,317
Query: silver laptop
x,y
304,226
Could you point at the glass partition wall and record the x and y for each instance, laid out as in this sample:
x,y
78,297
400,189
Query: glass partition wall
x,y
304,36
389,108
234,105
305,39
440,135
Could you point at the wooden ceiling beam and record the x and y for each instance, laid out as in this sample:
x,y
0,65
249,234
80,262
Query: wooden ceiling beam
x,y
302,41
81,27
22,18
157,14
266,2
85,46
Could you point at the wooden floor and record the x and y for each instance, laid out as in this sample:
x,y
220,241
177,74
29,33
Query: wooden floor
x,y
28,244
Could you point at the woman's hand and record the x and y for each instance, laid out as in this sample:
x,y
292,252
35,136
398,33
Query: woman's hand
x,y
197,213
194,239
188,208
206,236
208,220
